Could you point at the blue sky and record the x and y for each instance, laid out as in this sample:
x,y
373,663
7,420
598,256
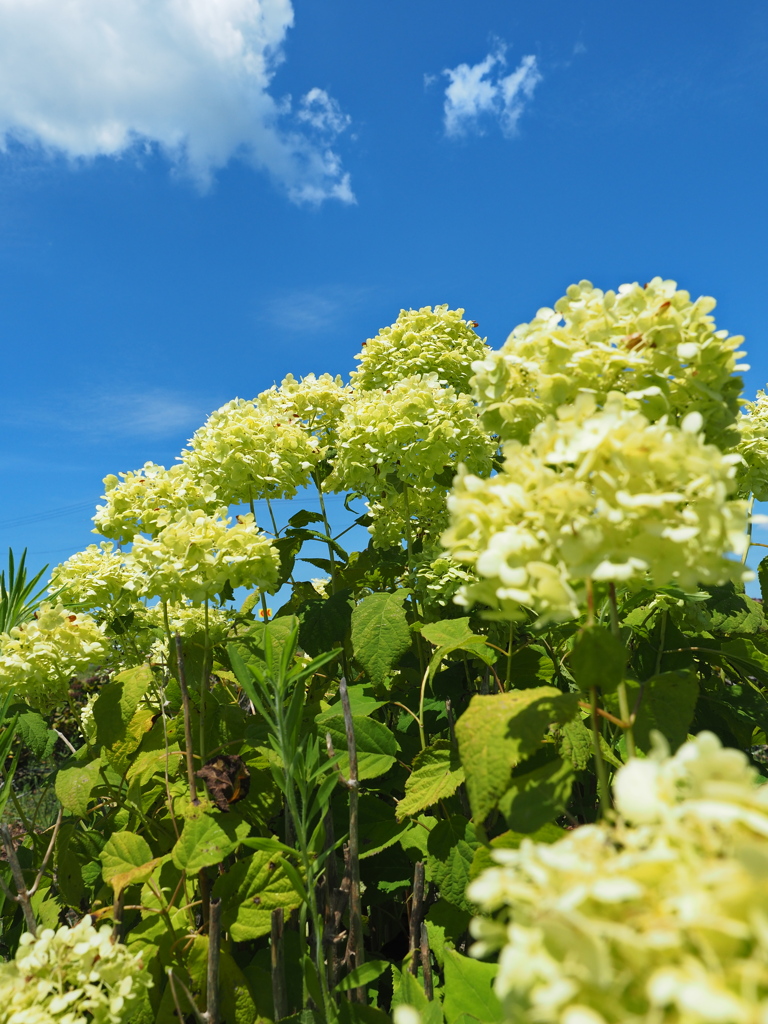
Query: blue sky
x,y
197,198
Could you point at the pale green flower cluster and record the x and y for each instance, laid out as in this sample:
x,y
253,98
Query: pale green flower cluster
x,y
314,403
188,619
406,435
147,499
418,512
439,580
753,447
421,342
39,658
652,343
599,494
251,450
659,918
196,555
96,577
71,976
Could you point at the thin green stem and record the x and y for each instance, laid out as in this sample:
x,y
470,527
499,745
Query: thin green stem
x,y
298,817
629,733
204,673
327,525
509,655
420,719
275,530
602,772
662,641
749,529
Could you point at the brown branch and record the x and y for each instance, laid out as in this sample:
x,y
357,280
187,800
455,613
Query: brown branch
x,y
608,715
426,963
48,853
417,915
22,895
214,944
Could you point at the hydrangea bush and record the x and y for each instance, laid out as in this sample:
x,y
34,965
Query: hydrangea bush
x,y
656,916
507,592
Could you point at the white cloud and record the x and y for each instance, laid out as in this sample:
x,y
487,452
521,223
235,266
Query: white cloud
x,y
91,78
322,112
96,414
312,311
479,91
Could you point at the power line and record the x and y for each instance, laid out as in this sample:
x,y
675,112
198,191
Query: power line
x,y
40,517
82,506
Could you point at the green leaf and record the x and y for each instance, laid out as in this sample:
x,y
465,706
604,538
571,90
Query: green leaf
x,y
303,518
762,576
731,611
377,829
117,703
450,632
120,722
451,635
361,703
74,785
539,792
126,859
437,775
250,891
450,849
359,1013
745,656
277,631
207,840
376,745
408,991
576,744
446,923
34,732
380,634
325,623
469,989
598,659
668,704
531,666
362,975
496,732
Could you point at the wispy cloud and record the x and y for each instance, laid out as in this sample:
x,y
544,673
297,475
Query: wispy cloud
x,y
103,415
155,413
311,311
479,93
91,78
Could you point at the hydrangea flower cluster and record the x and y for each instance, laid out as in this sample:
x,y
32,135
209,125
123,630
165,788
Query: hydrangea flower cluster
x,y
410,432
71,976
314,403
147,499
421,341
251,450
40,657
652,343
416,511
196,555
96,577
658,918
602,494
753,447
